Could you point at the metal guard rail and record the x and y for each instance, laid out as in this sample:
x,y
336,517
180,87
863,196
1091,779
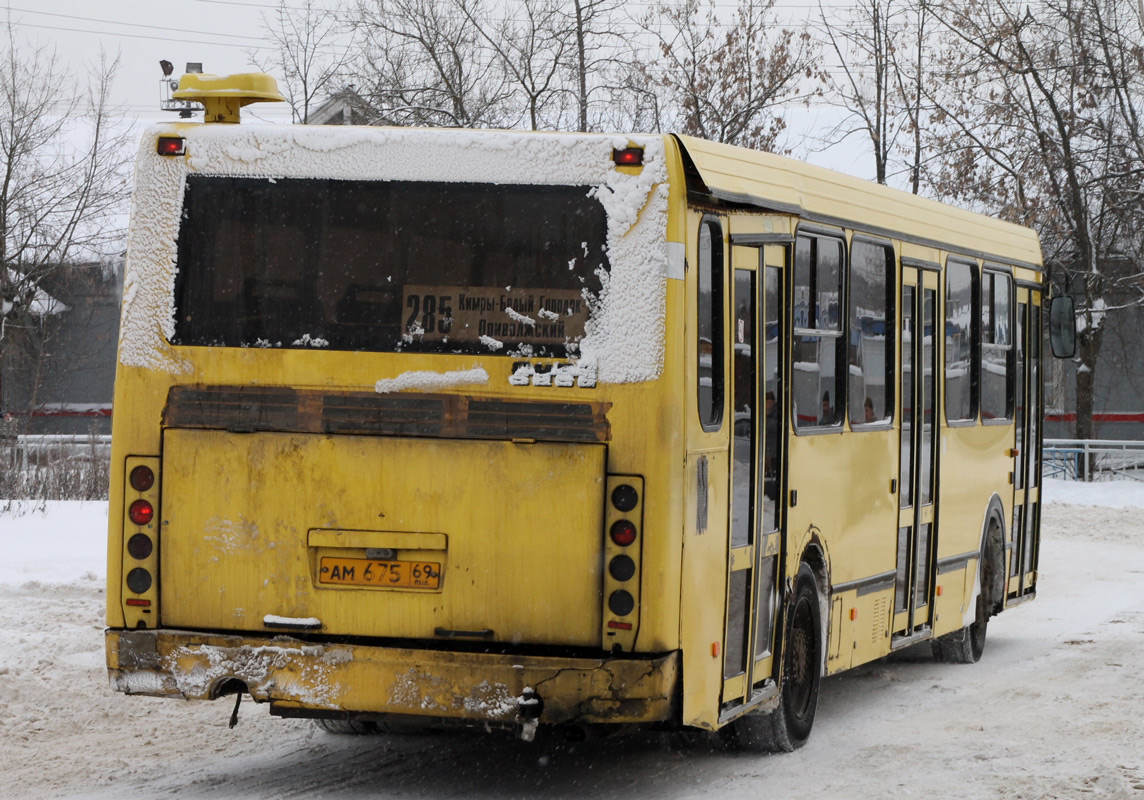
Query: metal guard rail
x,y
1093,459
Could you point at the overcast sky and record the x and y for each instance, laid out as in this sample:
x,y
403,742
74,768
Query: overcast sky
x,y
218,33
221,35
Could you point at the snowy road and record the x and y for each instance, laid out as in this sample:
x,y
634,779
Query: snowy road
x,y
1054,710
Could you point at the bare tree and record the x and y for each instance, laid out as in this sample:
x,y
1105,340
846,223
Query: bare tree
x,y
307,57
597,45
882,49
1039,120
424,63
731,82
864,42
910,85
63,184
532,45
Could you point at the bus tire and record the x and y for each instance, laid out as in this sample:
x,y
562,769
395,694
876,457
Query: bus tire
x,y
786,727
347,727
967,645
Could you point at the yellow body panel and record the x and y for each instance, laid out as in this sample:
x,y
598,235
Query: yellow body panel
x,y
513,562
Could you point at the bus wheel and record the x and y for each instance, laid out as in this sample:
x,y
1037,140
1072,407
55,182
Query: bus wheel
x,y
347,727
787,727
967,645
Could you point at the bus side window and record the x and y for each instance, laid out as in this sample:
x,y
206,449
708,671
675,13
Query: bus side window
x,y
871,335
709,306
996,346
962,335
819,349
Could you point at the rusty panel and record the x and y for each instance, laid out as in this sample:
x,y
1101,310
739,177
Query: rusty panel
x,y
286,410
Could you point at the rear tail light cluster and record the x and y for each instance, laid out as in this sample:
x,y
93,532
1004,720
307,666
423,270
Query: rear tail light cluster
x,y
623,518
140,552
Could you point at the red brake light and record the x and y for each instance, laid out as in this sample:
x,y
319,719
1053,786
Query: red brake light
x,y
172,146
628,157
142,478
623,532
141,512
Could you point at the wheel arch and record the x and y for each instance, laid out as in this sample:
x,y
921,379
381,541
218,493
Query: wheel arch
x,y
817,557
994,511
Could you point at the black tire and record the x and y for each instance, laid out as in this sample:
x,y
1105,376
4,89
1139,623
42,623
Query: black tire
x,y
787,726
964,646
347,727
967,645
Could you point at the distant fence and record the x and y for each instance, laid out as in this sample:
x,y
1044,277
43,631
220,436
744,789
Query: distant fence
x,y
1093,459
54,467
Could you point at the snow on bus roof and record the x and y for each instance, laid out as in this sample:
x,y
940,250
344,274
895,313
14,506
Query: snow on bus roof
x,y
624,336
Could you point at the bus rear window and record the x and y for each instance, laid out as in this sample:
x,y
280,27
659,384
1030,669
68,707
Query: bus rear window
x,y
387,266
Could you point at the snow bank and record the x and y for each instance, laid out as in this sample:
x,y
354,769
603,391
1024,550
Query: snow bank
x,y
1107,494
57,542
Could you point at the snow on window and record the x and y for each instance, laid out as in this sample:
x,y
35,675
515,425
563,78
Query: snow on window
x,y
516,316
310,341
147,314
623,339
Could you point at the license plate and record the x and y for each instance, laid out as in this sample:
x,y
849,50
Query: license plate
x,y
385,574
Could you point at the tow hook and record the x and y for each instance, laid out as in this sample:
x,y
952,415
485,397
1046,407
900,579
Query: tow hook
x,y
529,708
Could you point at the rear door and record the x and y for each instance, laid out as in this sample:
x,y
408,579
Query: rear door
x,y
382,536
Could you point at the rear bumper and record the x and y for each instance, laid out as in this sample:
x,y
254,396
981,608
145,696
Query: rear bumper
x,y
297,677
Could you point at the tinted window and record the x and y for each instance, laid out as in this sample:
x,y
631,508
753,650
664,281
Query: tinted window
x,y
871,340
387,266
817,346
710,324
961,335
996,346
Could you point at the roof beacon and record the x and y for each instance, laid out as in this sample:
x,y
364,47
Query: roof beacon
x,y
223,95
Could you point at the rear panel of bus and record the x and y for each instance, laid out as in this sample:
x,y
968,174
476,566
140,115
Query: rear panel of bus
x,y
366,410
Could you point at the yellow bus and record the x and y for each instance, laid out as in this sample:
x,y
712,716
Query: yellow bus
x,y
509,429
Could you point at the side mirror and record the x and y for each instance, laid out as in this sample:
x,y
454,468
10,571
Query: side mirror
x,y
1062,326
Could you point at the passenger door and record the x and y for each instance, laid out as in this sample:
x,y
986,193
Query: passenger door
x,y
1026,446
917,536
756,473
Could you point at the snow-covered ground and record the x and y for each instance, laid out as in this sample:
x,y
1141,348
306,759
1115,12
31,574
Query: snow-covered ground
x,y
1055,709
